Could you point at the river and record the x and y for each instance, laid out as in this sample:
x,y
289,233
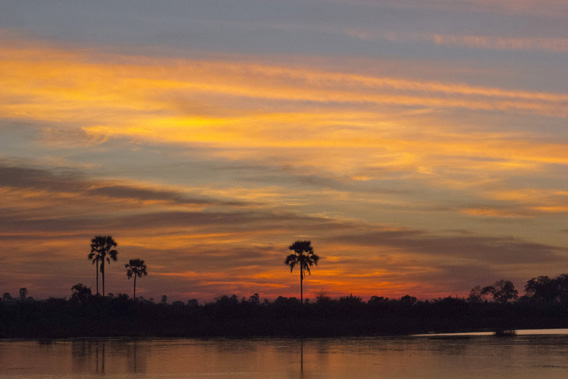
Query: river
x,y
530,354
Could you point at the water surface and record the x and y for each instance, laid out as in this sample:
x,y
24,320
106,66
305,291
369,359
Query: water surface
x,y
527,355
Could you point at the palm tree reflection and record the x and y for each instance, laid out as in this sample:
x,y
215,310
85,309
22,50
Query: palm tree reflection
x,y
134,366
89,357
302,358
100,362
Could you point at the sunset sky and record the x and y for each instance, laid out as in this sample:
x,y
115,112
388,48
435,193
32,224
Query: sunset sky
x,y
421,145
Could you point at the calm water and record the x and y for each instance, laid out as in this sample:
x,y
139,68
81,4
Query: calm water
x,y
527,355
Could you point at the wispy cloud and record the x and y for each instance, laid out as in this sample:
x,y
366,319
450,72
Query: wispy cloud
x,y
26,182
532,201
553,45
487,42
244,102
547,8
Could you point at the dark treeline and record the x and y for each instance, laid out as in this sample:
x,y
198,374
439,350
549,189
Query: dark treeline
x,y
495,307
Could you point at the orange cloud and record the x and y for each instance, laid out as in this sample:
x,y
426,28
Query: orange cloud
x,y
549,45
534,200
556,45
152,99
548,8
241,107
491,212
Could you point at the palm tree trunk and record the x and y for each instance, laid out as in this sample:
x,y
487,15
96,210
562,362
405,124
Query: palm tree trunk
x,y
97,276
134,298
103,276
301,288
302,358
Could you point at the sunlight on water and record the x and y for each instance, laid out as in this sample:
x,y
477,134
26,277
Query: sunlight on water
x,y
530,354
528,332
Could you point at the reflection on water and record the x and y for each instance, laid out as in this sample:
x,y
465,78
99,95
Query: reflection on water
x,y
302,358
432,356
92,355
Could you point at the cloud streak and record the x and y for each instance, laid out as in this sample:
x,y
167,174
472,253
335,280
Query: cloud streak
x,y
552,45
141,107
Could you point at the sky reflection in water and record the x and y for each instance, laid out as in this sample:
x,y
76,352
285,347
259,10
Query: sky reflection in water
x,y
524,356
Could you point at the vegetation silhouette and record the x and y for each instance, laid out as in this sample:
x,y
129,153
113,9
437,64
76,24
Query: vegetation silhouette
x,y
496,307
503,291
548,290
544,305
81,293
135,268
102,249
304,261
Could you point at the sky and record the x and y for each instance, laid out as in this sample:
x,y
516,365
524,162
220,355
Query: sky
x,y
420,145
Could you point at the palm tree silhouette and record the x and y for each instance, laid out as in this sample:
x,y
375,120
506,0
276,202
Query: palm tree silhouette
x,y
101,251
303,260
95,259
136,268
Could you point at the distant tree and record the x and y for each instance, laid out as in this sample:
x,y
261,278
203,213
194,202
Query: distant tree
x,y
407,299
81,292
350,304
7,296
135,268
164,299
475,295
562,288
102,249
304,257
254,299
378,300
283,302
548,290
23,293
224,299
503,291
543,289
322,298
350,299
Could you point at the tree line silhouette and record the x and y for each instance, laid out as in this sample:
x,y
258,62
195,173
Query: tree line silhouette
x,y
493,307
544,305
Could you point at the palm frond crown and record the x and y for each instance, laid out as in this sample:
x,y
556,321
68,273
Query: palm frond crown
x,y
303,256
135,267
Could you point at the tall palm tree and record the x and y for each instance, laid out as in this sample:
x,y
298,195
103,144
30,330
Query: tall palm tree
x,y
135,268
95,258
102,247
303,260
